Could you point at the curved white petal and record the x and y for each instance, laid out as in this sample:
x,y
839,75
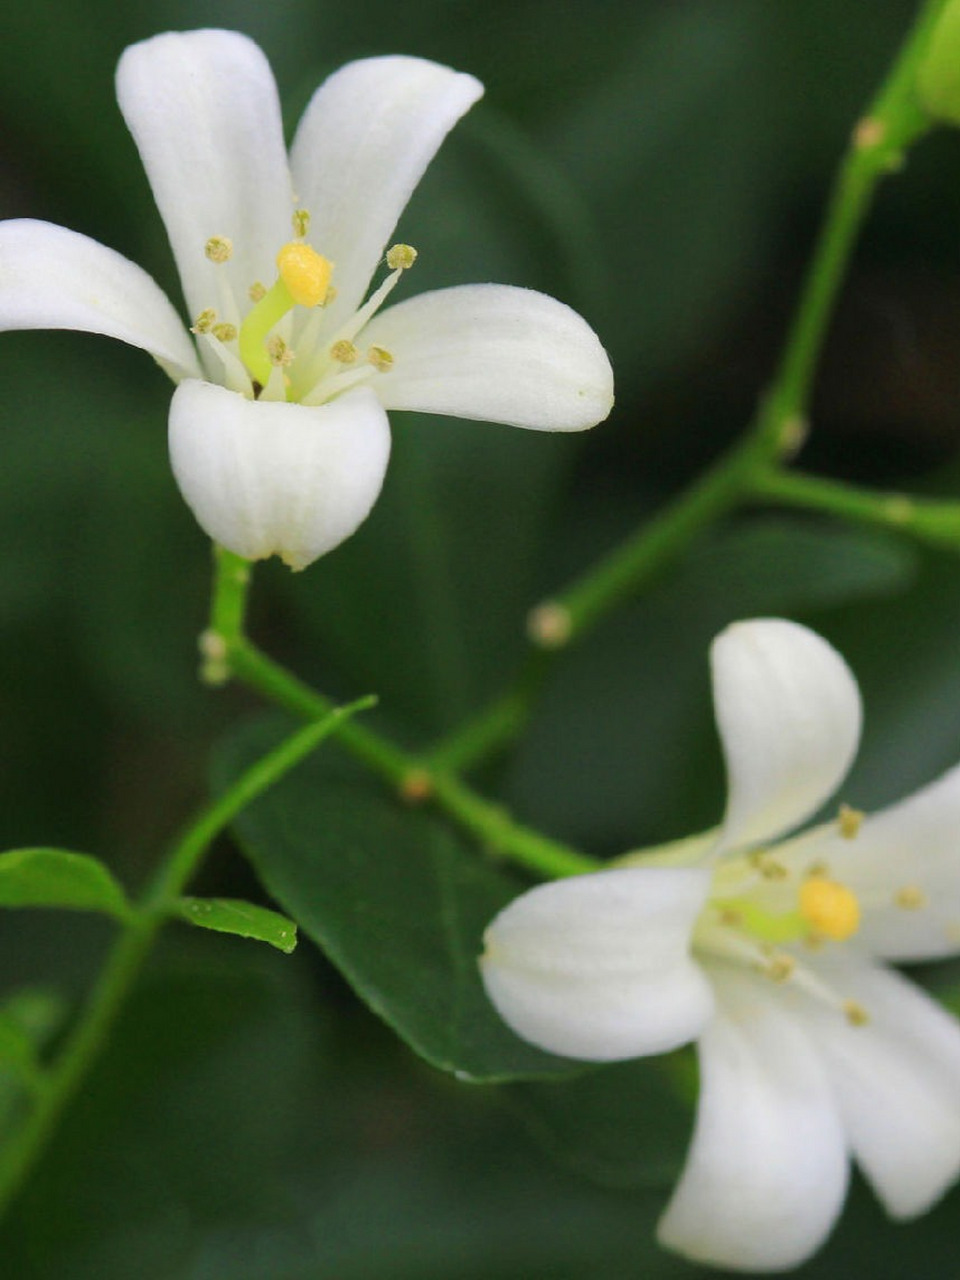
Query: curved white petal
x,y
767,1171
897,1080
363,143
270,478
904,865
496,353
52,278
203,110
598,966
788,712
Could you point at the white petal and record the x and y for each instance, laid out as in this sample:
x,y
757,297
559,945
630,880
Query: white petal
x,y
273,478
908,853
496,353
897,1080
52,278
598,966
788,712
361,147
202,107
767,1171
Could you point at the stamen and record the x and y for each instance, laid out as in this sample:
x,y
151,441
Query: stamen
x,y
225,332
855,1013
401,257
910,897
768,867
301,223
279,353
830,908
204,321
780,967
257,291
219,249
381,359
849,821
344,352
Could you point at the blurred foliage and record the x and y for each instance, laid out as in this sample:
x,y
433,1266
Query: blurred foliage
x,y
661,167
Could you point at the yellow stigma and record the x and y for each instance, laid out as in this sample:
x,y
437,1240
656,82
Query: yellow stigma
x,y
305,272
830,909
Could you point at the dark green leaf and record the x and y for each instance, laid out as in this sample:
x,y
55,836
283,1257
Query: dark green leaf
x,y
56,878
395,899
245,919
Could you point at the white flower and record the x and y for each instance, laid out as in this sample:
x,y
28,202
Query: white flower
x,y
278,433
772,957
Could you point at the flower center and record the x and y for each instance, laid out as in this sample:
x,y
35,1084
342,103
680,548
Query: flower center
x,y
256,357
304,280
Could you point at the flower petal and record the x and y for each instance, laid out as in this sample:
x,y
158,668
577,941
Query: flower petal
x,y
270,478
496,353
363,143
767,1170
897,1081
598,966
203,110
904,865
52,278
788,712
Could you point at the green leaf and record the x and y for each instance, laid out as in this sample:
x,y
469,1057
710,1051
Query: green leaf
x,y
245,919
397,902
56,878
626,1125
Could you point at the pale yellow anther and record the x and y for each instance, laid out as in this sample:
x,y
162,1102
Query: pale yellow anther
x,y
849,821
401,257
219,249
344,352
380,358
279,352
257,291
768,867
831,909
780,967
301,222
910,897
225,332
305,272
204,321
855,1013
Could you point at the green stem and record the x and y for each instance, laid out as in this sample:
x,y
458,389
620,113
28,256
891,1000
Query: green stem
x,y
132,946
893,121
937,523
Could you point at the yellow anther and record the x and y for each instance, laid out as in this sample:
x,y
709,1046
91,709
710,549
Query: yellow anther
x,y
849,821
331,294
204,321
380,358
855,1013
401,257
219,248
278,352
225,332
257,291
831,909
344,352
910,897
305,272
301,222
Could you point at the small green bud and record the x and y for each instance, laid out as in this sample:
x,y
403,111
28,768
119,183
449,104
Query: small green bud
x,y
938,73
